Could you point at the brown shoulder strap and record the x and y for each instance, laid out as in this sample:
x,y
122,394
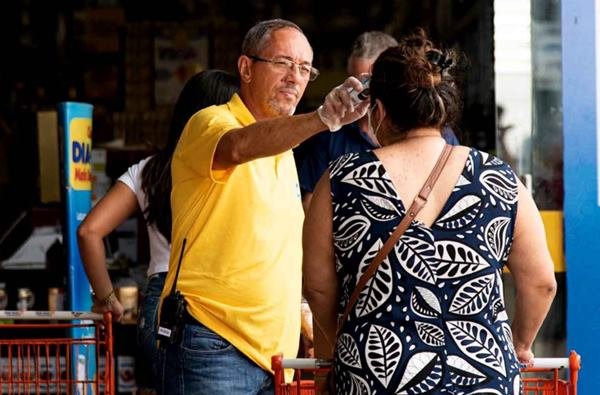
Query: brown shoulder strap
x,y
415,207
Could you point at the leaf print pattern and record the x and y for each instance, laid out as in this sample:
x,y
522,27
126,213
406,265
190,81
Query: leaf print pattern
x,y
379,208
358,385
338,264
473,296
508,338
484,157
349,383
500,185
460,214
499,286
378,288
431,334
351,232
462,373
422,374
433,319
347,351
477,342
383,352
457,260
496,237
344,161
424,303
462,181
371,178
469,167
517,384
499,312
368,258
490,160
417,257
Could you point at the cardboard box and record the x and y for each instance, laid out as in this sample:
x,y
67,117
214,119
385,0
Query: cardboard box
x,y
48,151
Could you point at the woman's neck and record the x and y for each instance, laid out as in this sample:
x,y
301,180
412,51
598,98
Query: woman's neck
x,y
415,134
422,132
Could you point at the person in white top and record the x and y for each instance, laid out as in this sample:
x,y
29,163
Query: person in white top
x,y
146,186
159,245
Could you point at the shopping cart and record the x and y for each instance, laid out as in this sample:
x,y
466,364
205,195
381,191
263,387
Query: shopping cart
x,y
59,352
543,378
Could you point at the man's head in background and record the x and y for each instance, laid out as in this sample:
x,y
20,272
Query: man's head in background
x,y
366,49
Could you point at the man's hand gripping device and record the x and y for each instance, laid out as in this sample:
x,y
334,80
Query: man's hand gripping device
x,y
357,96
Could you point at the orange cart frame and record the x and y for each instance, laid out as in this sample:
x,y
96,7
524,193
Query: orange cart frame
x,y
33,362
543,378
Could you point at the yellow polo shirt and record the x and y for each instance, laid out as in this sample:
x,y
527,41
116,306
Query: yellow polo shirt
x,y
241,270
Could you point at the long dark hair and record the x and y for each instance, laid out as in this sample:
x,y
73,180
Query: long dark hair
x,y
202,90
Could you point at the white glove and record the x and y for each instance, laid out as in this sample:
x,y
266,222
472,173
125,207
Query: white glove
x,y
339,108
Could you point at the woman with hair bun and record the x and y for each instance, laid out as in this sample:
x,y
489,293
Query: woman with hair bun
x,y
430,318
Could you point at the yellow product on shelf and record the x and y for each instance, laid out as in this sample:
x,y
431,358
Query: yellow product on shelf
x,y
553,223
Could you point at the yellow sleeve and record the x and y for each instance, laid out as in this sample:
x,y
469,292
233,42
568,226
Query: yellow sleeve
x,y
198,143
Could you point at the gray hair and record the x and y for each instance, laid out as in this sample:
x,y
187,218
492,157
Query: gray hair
x,y
370,44
258,36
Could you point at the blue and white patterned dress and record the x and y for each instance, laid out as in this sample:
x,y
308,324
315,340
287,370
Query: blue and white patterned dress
x,y
432,319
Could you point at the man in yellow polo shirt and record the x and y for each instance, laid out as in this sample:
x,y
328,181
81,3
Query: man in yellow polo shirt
x,y
236,201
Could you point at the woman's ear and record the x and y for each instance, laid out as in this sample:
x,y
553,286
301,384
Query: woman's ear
x,y
245,69
380,110
378,120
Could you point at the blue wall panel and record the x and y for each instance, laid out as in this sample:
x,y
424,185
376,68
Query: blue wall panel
x,y
582,214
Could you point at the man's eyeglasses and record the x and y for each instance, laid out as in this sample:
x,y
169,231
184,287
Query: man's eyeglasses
x,y
286,64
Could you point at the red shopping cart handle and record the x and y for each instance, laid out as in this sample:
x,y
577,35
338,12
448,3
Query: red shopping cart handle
x,y
305,363
533,383
50,315
572,362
